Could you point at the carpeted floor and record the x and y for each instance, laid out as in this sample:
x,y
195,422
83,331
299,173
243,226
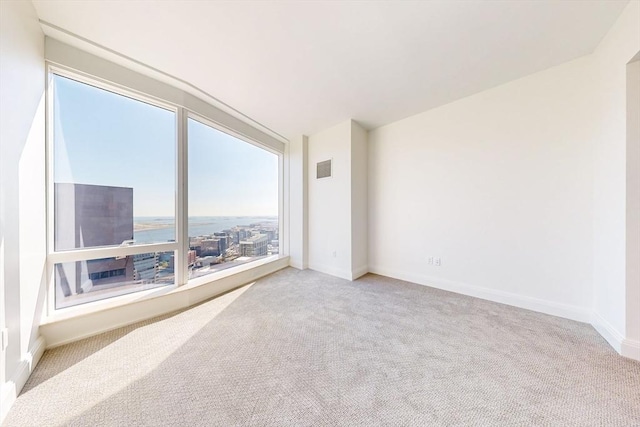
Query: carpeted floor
x,y
300,348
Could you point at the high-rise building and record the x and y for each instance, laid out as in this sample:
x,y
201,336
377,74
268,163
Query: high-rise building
x,y
254,246
191,258
90,216
224,241
145,266
210,247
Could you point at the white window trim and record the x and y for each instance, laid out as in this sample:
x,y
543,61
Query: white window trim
x,y
188,107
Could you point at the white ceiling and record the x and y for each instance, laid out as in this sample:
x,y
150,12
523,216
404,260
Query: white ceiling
x,y
300,67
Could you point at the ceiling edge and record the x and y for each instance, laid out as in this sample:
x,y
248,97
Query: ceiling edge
x,y
67,37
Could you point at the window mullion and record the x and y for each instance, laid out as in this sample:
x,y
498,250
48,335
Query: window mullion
x,y
107,252
182,264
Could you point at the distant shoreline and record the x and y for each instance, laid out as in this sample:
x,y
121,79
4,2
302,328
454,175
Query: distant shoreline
x,y
142,226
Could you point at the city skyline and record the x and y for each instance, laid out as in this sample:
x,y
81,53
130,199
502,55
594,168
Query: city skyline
x,y
89,216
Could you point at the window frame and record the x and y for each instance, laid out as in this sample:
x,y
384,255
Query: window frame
x,y
224,129
180,246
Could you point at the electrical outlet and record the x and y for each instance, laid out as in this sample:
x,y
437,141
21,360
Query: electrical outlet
x,y
335,254
430,260
437,262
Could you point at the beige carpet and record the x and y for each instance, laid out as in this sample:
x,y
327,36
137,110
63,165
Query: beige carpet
x,y
300,348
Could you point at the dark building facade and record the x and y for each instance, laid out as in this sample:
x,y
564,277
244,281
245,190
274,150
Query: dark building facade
x,y
90,216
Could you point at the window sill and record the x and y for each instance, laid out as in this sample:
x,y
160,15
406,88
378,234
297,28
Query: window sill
x,y
58,328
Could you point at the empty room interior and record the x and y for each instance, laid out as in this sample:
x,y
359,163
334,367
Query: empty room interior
x,y
320,213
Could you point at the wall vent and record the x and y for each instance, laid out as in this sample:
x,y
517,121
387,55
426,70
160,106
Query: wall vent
x,y
323,169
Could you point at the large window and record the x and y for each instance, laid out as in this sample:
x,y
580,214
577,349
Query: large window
x,y
114,168
116,212
233,201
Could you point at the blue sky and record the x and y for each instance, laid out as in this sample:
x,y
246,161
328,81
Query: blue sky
x,y
102,138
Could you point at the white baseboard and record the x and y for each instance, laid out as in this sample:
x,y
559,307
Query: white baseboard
x,y
11,389
343,274
332,271
630,349
608,332
553,308
359,272
295,263
624,346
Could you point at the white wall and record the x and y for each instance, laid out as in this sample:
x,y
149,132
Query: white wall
x,y
529,192
359,205
338,205
298,150
499,186
619,46
330,202
22,202
633,201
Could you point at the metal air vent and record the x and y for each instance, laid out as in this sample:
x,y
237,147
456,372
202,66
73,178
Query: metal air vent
x,y
323,169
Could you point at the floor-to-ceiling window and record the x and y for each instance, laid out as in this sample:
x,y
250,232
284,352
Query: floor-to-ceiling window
x,y
233,200
116,170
